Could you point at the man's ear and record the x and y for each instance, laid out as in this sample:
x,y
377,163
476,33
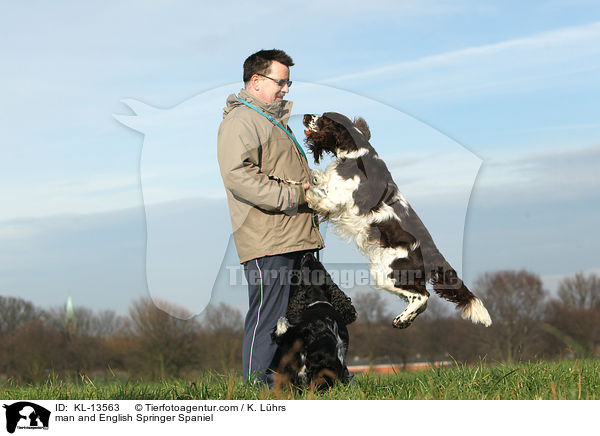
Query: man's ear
x,y
254,82
362,125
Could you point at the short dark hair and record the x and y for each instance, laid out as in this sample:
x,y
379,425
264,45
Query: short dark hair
x,y
260,62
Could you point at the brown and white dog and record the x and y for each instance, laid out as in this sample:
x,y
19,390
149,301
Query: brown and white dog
x,y
357,194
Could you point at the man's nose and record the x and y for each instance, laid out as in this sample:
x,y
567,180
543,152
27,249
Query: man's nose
x,y
285,88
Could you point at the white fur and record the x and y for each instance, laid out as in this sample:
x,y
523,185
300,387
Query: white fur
x,y
417,303
340,347
331,196
341,154
282,326
302,374
312,125
477,313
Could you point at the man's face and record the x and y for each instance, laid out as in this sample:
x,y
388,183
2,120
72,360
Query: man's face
x,y
267,90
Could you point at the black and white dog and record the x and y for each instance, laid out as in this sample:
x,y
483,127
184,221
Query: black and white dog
x,y
357,194
312,338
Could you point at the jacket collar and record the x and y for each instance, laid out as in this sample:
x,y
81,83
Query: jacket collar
x,y
280,110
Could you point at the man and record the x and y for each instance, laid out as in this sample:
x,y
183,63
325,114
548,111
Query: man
x,y
265,173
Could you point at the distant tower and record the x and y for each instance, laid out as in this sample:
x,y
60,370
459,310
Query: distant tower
x,y
70,319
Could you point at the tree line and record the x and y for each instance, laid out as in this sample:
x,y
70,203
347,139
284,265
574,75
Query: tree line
x,y
528,324
149,344
146,344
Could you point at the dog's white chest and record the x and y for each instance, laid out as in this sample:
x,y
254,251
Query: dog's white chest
x,y
340,190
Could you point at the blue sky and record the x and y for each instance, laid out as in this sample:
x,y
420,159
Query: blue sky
x,y
515,85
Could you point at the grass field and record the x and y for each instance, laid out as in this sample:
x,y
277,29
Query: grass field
x,y
563,380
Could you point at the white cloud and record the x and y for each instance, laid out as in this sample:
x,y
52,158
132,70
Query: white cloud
x,y
566,58
541,177
561,127
77,195
561,38
17,231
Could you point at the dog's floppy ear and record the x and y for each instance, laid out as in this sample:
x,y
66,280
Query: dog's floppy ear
x,y
343,305
362,125
338,299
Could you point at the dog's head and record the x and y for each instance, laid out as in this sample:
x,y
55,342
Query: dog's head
x,y
325,343
333,132
312,352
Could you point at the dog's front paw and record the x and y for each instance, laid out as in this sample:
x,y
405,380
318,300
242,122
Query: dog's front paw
x,y
314,195
318,185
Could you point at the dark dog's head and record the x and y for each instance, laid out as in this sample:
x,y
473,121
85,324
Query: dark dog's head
x,y
333,132
326,344
312,352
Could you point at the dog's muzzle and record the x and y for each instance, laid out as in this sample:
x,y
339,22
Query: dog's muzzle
x,y
310,122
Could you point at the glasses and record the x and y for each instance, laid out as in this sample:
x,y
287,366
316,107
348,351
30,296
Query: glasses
x,y
281,82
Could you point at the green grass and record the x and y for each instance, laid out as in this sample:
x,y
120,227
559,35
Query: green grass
x,y
525,381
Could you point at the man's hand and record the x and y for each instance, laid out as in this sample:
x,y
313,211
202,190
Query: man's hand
x,y
306,186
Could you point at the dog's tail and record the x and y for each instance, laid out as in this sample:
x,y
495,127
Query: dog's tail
x,y
448,286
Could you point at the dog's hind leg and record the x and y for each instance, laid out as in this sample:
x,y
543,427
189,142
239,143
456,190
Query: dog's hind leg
x,y
417,303
401,273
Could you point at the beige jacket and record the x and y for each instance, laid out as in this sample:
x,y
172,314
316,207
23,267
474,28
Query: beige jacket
x,y
260,165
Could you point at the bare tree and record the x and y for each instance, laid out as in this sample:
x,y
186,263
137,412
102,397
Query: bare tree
x,y
370,307
108,323
580,292
223,341
516,302
431,332
85,322
34,351
166,344
574,319
367,331
14,312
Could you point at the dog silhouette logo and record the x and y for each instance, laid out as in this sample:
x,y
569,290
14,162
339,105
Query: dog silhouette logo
x,y
26,415
189,229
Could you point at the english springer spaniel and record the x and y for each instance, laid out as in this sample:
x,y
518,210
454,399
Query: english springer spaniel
x,y
357,194
312,338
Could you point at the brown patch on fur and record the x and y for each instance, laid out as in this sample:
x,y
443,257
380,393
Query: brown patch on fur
x,y
281,377
325,379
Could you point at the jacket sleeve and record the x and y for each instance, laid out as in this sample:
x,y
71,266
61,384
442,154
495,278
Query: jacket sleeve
x,y
238,156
